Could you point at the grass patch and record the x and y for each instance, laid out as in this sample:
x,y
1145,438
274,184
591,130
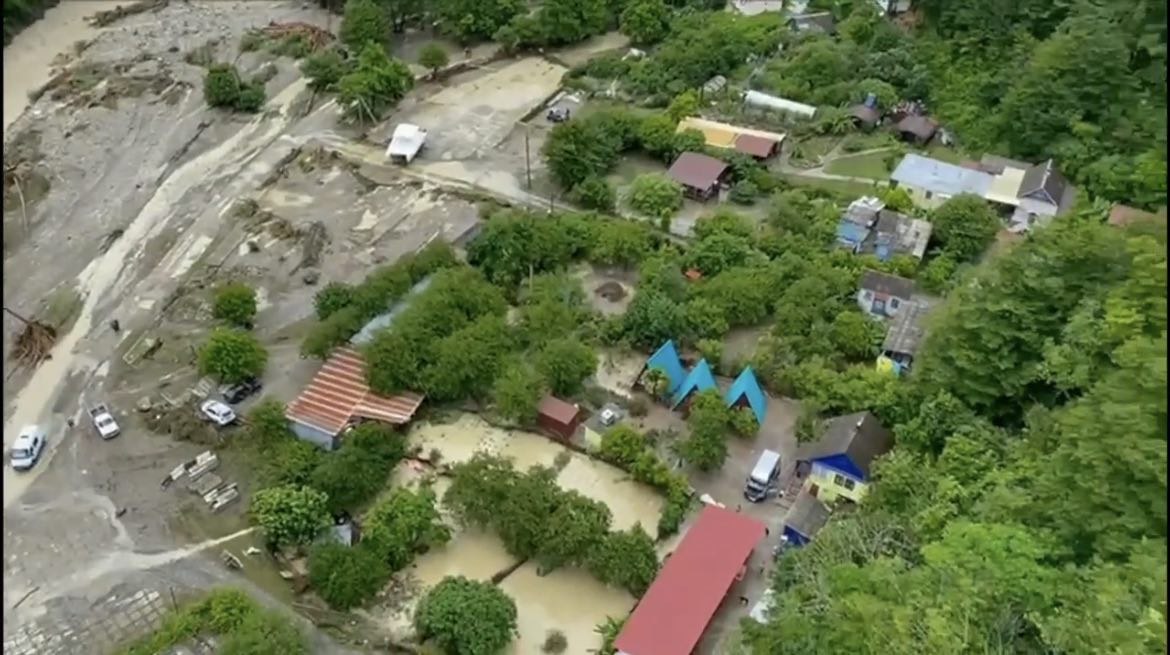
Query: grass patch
x,y
871,165
61,308
808,151
944,153
843,187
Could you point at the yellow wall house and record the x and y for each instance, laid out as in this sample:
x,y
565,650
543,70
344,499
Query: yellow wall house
x,y
837,466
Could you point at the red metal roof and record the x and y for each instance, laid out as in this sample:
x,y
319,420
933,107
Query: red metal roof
x,y
696,170
338,394
675,611
756,146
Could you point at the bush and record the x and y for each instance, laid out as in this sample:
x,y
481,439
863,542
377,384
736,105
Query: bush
x,y
324,70
363,22
235,303
594,193
432,57
223,87
289,515
466,616
344,576
332,298
656,196
743,422
374,85
554,642
232,356
744,192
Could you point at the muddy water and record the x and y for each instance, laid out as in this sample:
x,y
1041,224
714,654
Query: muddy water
x,y
111,273
28,60
569,600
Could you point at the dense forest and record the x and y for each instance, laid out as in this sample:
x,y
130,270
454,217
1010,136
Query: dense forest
x,y
19,14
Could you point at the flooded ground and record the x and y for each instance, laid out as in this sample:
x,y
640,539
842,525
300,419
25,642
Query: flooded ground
x,y
569,600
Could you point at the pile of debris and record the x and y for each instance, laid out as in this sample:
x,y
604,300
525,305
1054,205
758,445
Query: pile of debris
x,y
214,491
181,423
34,343
314,36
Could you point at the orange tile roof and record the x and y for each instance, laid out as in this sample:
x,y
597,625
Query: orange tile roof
x,y
339,394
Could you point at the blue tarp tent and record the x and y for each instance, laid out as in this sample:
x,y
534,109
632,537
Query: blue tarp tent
x,y
699,379
668,361
746,386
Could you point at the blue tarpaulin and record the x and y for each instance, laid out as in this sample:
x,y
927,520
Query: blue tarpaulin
x,y
668,361
747,386
699,379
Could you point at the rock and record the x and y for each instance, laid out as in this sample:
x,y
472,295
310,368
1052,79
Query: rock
x,y
253,246
311,277
144,404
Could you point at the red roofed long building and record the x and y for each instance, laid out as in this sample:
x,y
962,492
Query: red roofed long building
x,y
671,617
339,395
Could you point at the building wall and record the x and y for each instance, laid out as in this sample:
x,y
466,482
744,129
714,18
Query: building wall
x,y
313,435
830,489
919,196
867,298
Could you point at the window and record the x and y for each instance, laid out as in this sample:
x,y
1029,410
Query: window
x,y
894,303
929,195
842,481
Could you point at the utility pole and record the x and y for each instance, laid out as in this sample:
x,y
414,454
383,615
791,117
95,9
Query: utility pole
x,y
527,158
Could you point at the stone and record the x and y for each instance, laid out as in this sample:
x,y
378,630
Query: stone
x,y
311,277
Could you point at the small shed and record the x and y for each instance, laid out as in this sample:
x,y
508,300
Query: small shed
x,y
699,379
559,417
805,519
405,144
916,128
700,175
865,116
746,392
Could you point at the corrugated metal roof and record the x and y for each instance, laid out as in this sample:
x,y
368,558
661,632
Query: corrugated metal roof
x,y
671,617
696,171
860,436
908,328
339,393
747,386
756,146
807,515
723,135
940,177
558,410
758,99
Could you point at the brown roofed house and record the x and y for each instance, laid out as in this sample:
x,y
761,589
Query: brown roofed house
x,y
700,175
559,417
916,128
882,295
864,116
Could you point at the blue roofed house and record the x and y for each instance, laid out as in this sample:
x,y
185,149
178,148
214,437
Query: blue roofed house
x,y
857,221
838,464
746,392
699,379
666,359
931,182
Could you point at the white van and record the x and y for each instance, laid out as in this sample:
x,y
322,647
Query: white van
x,y
27,448
764,476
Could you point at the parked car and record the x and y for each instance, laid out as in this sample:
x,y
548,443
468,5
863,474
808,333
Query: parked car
x,y
236,393
558,115
27,448
218,413
104,421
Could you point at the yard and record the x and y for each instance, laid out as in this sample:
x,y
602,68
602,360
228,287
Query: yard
x,y
871,165
844,187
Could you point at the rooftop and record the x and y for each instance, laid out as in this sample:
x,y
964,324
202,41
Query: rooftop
x,y
908,328
859,436
884,283
674,613
940,177
339,393
807,515
558,410
901,234
696,171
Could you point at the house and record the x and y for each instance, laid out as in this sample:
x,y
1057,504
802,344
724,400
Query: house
x,y
916,128
757,7
338,396
757,143
1043,194
804,520
746,392
931,182
865,117
882,295
559,417
700,175
406,143
857,221
820,22
698,380
838,465
897,234
906,333
781,105
674,612
666,359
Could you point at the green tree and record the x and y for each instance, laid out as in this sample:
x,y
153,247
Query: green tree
x,y
349,477
655,195
324,70
856,336
467,361
626,559
657,136
263,631
332,298
471,20
235,303
621,445
517,393
345,576
467,617
683,105
363,23
594,193
743,422
432,57
965,226
580,149
565,364
562,22
376,83
706,445
653,318
711,350
707,320
221,85
646,22
290,516
571,531
404,524
231,355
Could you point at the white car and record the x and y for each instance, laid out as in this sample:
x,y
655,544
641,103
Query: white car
x,y
218,413
27,448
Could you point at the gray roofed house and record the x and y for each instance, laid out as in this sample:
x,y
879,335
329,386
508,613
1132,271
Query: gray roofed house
x,y
995,164
821,21
907,332
1044,183
939,178
883,295
806,517
897,234
859,436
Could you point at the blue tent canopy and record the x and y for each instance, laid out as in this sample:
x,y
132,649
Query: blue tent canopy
x,y
747,386
668,361
699,379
